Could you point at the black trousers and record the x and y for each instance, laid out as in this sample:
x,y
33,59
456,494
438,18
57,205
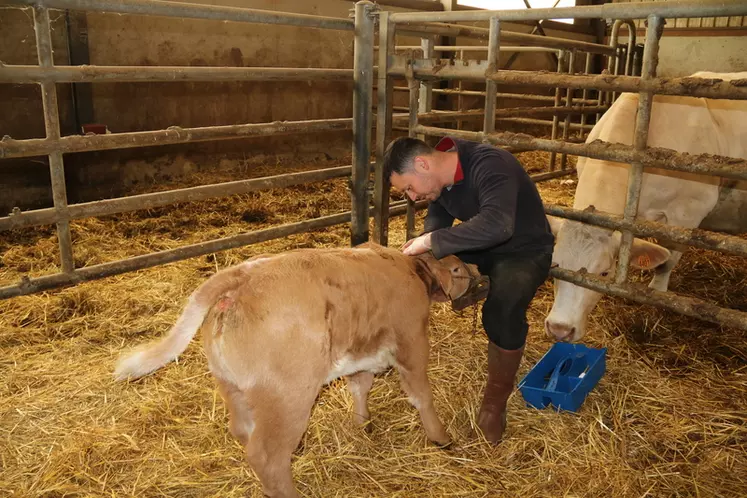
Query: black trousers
x,y
514,280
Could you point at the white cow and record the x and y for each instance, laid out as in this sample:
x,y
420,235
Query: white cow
x,y
686,124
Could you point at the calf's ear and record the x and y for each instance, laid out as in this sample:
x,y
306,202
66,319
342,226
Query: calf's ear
x,y
436,277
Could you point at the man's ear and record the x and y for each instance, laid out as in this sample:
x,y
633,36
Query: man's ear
x,y
437,279
647,255
555,224
421,165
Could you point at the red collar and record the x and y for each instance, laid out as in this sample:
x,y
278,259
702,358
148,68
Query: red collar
x,y
444,145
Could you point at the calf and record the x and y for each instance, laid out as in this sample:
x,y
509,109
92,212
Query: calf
x,y
276,328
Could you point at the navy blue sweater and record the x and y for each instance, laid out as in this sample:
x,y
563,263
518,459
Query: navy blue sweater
x,y
497,203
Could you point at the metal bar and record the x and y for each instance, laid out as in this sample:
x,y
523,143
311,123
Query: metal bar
x,y
10,148
192,11
383,130
43,32
157,199
516,96
640,141
543,122
695,87
697,8
426,87
414,105
695,237
458,30
689,306
29,286
436,116
491,87
556,103
112,74
568,105
363,63
585,93
706,164
460,96
412,4
474,48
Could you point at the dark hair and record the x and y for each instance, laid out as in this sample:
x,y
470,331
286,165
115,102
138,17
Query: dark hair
x,y
400,154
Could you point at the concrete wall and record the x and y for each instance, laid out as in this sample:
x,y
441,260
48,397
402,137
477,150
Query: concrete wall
x,y
685,54
139,40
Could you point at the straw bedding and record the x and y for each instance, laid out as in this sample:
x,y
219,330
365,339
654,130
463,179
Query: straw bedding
x,y
666,420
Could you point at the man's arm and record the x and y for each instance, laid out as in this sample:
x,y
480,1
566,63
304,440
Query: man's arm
x,y
494,224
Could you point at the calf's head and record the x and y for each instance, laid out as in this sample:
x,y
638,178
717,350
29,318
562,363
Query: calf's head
x,y
447,278
583,246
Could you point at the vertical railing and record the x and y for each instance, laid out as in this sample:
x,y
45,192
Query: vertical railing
x,y
555,120
568,104
640,141
52,129
491,87
362,119
383,129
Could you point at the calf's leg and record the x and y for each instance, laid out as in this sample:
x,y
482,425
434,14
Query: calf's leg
x,y
412,364
359,385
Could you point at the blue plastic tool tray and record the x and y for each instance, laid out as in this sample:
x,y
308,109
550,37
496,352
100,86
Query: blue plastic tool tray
x,y
563,377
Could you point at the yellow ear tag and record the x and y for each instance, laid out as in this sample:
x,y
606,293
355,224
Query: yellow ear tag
x,y
644,261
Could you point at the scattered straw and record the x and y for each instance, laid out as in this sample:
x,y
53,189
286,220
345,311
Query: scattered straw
x,y
667,419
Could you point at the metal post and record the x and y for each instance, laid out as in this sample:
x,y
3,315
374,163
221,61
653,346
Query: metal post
x,y
584,94
491,86
568,105
412,125
554,134
460,89
362,119
426,87
640,140
52,128
383,130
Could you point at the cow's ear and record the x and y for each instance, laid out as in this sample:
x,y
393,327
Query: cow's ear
x,y
434,275
647,255
555,224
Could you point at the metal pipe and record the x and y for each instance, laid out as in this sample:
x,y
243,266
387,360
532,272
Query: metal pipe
x,y
491,87
426,87
584,93
10,148
29,286
640,141
556,103
543,122
43,32
158,199
474,48
705,164
192,11
515,96
696,8
695,87
112,74
439,116
568,105
363,63
412,124
689,306
458,30
694,237
383,130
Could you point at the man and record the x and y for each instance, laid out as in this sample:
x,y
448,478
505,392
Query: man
x,y
504,232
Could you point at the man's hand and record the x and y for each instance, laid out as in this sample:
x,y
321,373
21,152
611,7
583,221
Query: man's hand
x,y
418,245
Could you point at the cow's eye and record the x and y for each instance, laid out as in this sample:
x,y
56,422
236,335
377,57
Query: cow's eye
x,y
604,273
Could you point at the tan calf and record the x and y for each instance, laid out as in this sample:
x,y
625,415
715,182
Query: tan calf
x,y
278,327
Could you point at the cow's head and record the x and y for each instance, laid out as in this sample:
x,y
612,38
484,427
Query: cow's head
x,y
447,278
583,246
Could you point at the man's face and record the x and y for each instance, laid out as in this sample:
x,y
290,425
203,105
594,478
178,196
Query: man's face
x,y
418,183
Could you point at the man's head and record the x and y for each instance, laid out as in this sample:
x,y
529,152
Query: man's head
x,y
413,168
